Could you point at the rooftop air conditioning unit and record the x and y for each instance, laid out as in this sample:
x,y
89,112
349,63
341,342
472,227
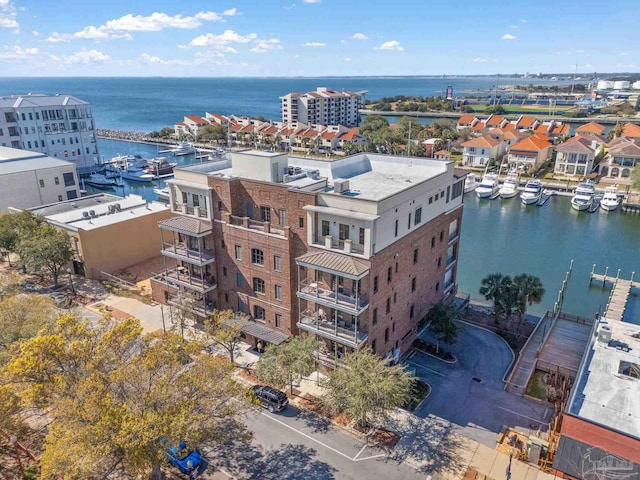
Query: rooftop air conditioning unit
x,y
92,213
85,214
117,207
604,334
297,170
111,208
341,186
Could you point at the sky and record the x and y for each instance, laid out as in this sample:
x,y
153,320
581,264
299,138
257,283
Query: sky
x,y
315,37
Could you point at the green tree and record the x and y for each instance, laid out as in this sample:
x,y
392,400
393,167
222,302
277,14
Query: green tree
x,y
364,386
615,132
8,237
406,123
114,394
225,328
374,127
48,249
530,290
213,133
442,320
183,313
494,110
635,178
493,288
288,361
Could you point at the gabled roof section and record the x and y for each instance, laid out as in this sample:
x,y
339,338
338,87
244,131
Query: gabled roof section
x,y
480,126
196,119
486,141
186,224
494,120
577,144
351,134
625,146
631,130
591,127
525,122
336,263
534,143
466,119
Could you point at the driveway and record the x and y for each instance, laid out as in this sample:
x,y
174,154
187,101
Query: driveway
x,y
470,393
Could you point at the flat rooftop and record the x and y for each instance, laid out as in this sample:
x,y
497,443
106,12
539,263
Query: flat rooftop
x,y
607,389
14,160
370,176
93,212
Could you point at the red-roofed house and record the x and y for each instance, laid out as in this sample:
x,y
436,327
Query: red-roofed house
x,y
576,156
591,128
478,127
552,129
216,118
529,153
496,121
190,125
352,136
481,150
526,122
623,156
631,130
467,120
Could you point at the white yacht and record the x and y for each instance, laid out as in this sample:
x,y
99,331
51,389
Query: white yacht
x,y
183,148
470,183
610,200
509,188
101,181
136,174
583,198
162,193
532,192
489,186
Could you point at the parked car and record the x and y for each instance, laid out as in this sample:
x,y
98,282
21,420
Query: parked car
x,y
270,398
182,457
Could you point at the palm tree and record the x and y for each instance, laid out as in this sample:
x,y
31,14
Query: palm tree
x,y
442,320
529,290
494,287
278,141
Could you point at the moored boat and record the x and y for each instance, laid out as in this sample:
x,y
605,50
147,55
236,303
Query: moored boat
x,y
532,192
160,166
470,183
183,148
136,174
101,181
583,197
488,187
162,193
610,199
509,188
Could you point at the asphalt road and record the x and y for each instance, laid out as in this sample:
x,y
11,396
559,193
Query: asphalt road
x,y
297,444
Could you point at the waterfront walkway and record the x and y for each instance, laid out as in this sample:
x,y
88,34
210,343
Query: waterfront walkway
x,y
619,294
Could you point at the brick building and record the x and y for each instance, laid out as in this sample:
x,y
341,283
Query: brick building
x,y
354,251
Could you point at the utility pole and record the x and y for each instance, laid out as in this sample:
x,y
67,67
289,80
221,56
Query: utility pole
x,y
573,83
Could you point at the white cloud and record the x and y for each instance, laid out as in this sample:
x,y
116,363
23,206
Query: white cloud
x,y
152,59
35,33
479,60
343,41
228,36
93,33
264,46
231,12
8,15
17,53
359,36
348,59
623,54
523,20
56,37
86,57
314,44
625,65
311,1
508,36
390,45
513,26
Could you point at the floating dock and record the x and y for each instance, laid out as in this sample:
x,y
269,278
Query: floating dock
x,y
619,294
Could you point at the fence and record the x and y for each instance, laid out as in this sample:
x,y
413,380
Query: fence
x,y
112,278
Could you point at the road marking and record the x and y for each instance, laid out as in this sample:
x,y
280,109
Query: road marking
x,y
521,415
308,436
361,450
426,368
370,458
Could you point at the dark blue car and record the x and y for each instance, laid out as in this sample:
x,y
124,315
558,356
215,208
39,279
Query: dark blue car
x,y
186,459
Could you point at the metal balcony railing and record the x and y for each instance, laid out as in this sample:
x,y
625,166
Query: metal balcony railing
x,y
315,291
347,335
181,250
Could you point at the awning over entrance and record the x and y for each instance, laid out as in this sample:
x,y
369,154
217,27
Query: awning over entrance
x,y
264,333
335,263
188,225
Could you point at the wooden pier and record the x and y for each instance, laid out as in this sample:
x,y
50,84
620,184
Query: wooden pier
x,y
619,293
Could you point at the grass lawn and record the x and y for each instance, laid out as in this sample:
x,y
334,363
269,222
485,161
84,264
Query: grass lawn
x,y
419,391
537,387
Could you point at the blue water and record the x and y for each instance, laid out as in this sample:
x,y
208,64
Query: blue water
x,y
146,104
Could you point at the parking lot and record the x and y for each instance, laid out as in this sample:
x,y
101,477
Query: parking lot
x,y
470,393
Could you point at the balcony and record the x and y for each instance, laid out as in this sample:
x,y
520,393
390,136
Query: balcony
x,y
349,336
180,276
196,211
314,292
203,309
179,251
344,246
453,237
258,226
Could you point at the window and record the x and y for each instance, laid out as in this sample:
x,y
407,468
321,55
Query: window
x,y
301,222
325,228
238,252
59,198
439,262
278,320
224,271
395,297
386,335
361,236
258,285
438,287
219,205
430,200
389,274
411,311
442,194
375,284
69,180
395,229
442,235
417,218
282,217
30,116
278,292
343,231
373,346
415,256
257,256
259,313
409,222
433,242
396,267
41,183
56,180
239,279
413,284
71,194
226,298
457,189
277,263
28,144
374,318
265,213
388,305
222,244
42,143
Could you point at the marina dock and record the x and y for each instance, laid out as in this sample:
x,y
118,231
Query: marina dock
x,y
619,294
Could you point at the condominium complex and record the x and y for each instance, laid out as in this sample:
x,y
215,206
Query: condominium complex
x,y
354,251
324,106
29,179
60,126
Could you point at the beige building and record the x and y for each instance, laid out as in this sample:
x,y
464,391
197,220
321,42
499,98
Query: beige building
x,y
29,179
108,233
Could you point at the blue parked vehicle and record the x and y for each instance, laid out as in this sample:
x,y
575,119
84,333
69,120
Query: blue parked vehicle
x,y
186,459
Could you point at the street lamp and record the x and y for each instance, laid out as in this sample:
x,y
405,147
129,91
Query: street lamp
x,y
73,290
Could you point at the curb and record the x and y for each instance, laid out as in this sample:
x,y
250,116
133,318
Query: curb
x,y
449,362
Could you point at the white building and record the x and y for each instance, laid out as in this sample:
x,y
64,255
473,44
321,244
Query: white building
x,y
60,126
324,106
29,179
